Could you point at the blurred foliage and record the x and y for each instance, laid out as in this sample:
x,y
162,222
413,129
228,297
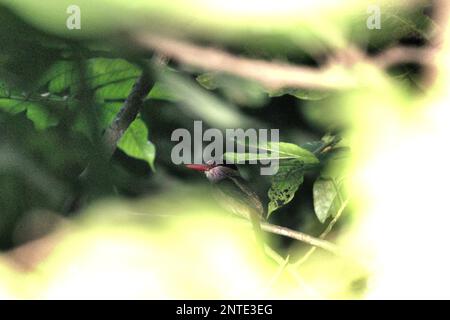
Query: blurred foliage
x,y
60,89
121,249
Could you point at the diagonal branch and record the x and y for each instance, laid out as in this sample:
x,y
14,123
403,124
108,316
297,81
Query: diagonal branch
x,y
128,113
123,120
131,108
324,233
300,236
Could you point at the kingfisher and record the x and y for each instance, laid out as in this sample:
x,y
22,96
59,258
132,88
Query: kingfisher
x,y
233,192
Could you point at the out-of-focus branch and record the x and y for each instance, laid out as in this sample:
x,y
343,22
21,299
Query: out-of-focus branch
x,y
324,233
273,75
441,16
403,54
276,75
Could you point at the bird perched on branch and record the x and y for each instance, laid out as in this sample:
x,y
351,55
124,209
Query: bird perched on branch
x,y
233,192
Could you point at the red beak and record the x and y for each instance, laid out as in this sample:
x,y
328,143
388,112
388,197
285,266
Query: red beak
x,y
198,167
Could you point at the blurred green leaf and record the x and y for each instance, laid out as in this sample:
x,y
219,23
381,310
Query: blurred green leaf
x,y
275,151
201,103
396,24
303,94
59,77
208,80
324,195
162,91
328,189
135,143
110,78
13,106
40,116
14,102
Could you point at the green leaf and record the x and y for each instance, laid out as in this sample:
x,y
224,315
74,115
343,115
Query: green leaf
x,y
135,143
40,116
324,195
275,151
59,77
14,102
106,69
208,80
104,72
293,162
328,189
106,114
284,185
111,78
115,91
13,106
293,151
303,94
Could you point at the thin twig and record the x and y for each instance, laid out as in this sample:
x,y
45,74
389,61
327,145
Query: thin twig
x,y
323,234
284,265
300,236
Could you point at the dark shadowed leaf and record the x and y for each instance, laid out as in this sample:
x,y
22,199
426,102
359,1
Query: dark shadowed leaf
x,y
284,186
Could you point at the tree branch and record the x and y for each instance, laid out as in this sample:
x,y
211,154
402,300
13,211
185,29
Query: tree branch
x,y
131,107
324,233
123,120
277,75
129,112
403,54
273,75
300,236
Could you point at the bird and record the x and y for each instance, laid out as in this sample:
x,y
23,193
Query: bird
x,y
233,192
